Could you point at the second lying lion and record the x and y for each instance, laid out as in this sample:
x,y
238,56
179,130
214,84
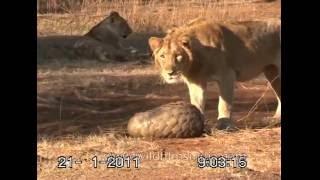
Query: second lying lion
x,y
102,42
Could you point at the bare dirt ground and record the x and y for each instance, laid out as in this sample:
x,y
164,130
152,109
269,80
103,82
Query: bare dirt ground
x,y
84,95
83,108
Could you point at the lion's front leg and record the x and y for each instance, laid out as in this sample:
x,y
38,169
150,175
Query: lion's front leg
x,y
197,94
226,88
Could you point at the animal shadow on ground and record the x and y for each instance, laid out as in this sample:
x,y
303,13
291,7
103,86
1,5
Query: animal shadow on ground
x,y
107,105
92,102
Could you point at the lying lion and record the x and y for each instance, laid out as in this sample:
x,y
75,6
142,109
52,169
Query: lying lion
x,y
226,52
101,42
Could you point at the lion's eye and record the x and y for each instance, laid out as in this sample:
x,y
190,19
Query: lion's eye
x,y
179,58
162,56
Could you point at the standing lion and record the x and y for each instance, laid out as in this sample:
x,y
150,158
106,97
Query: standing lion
x,y
225,52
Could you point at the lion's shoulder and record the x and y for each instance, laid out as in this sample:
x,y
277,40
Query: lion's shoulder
x,y
210,33
204,24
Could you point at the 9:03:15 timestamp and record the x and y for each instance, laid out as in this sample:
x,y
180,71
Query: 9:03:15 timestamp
x,y
236,161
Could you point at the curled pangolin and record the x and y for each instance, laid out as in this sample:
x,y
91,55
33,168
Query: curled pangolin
x,y
173,120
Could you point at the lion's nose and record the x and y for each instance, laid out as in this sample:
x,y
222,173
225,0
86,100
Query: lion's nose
x,y
171,73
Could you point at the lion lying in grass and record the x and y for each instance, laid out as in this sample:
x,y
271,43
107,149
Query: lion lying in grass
x,y
101,42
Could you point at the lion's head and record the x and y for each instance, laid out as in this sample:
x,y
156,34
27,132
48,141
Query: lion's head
x,y
113,23
172,55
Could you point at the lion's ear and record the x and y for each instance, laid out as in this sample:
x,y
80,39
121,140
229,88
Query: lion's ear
x,y
155,43
113,15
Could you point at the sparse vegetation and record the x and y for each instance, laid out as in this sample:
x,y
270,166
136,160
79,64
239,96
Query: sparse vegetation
x,y
83,106
152,15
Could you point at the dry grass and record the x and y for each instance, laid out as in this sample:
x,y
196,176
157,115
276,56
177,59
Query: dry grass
x,y
178,162
154,15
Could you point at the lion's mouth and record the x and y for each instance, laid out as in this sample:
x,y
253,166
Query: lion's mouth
x,y
173,78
